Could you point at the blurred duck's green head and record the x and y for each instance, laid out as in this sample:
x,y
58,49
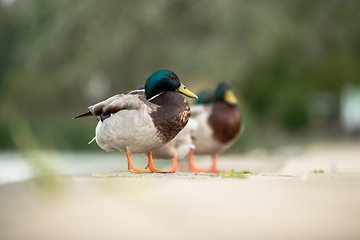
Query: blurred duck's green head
x,y
204,97
165,80
224,92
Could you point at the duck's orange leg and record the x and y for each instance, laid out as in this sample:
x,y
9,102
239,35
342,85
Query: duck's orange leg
x,y
214,168
193,168
152,168
174,163
131,166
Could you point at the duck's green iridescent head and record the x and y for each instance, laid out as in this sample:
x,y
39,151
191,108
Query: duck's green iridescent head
x,y
165,80
224,92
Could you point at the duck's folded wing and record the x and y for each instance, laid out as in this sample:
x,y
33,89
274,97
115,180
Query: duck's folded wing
x,y
131,100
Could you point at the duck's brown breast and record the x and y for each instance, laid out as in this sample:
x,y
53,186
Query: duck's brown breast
x,y
225,120
172,115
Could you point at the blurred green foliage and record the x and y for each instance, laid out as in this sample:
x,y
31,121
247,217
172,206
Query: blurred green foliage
x,y
59,56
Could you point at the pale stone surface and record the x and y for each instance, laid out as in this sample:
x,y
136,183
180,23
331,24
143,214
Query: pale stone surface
x,y
284,200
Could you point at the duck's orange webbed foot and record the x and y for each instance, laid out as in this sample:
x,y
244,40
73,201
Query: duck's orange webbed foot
x,y
152,168
131,166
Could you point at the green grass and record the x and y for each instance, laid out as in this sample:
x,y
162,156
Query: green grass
x,y
236,174
318,171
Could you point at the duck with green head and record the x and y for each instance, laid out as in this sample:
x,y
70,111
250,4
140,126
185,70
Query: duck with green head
x,y
219,125
140,121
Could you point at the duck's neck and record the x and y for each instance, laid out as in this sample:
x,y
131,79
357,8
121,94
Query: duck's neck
x,y
155,96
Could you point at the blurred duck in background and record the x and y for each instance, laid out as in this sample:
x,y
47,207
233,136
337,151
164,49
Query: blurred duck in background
x,y
142,120
219,125
179,147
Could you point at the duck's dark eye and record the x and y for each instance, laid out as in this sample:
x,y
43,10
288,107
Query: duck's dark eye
x,y
172,77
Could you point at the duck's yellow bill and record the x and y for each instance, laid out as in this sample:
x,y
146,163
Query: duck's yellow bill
x,y
182,89
230,97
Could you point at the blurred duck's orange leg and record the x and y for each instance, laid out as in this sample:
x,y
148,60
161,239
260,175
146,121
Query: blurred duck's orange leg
x,y
193,168
131,166
152,168
174,163
214,168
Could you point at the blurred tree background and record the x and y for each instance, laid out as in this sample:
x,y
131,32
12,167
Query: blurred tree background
x,y
287,60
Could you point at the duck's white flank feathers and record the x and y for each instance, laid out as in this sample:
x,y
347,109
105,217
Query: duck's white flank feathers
x,y
128,128
129,125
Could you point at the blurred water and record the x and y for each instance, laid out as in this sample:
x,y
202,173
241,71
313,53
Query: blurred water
x,y
16,167
13,168
335,158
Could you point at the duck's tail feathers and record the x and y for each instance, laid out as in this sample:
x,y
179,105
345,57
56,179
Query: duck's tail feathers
x,y
87,114
92,140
